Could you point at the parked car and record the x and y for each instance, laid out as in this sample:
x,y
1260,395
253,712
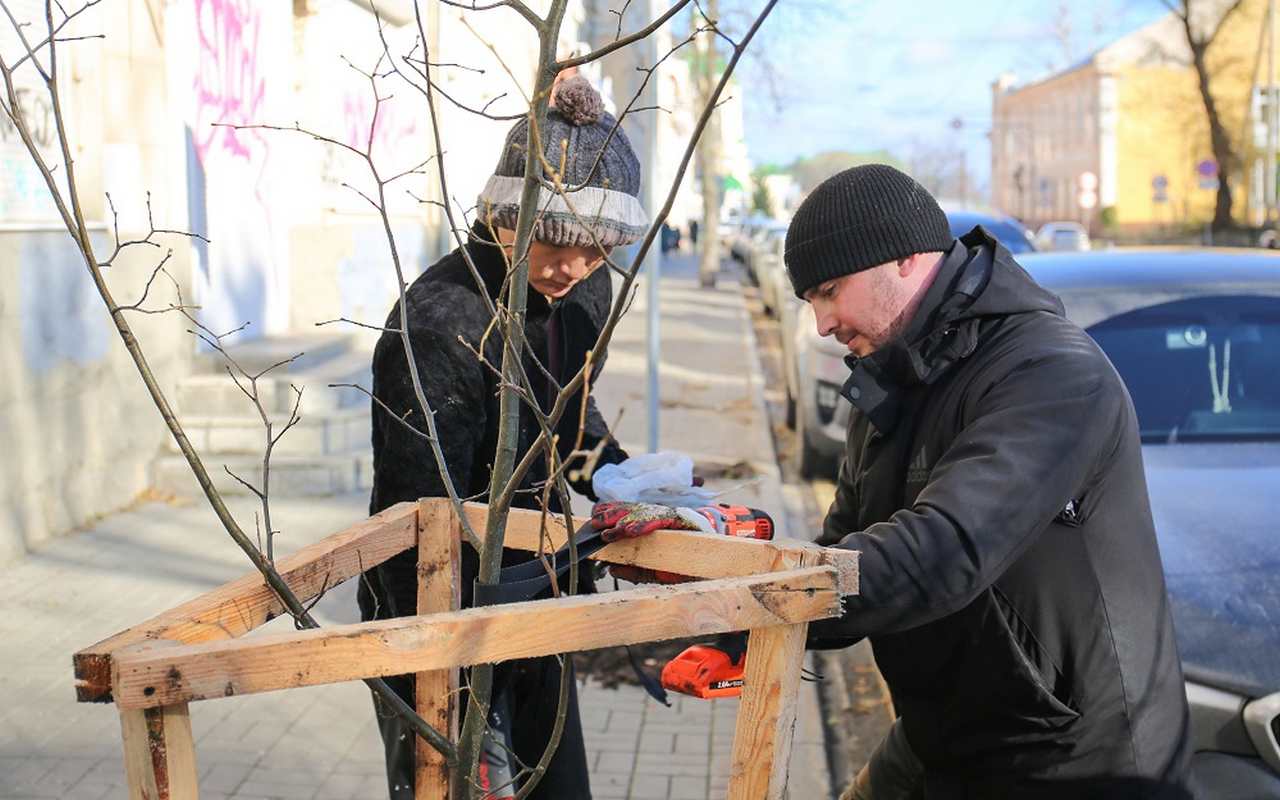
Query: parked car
x,y
766,266
1062,236
1011,233
740,244
1195,334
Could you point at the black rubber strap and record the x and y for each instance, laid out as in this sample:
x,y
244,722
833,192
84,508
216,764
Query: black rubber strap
x,y
525,581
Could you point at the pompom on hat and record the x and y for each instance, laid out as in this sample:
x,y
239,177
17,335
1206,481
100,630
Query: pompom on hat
x,y
601,175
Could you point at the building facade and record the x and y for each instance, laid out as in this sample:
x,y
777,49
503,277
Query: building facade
x,y
1120,141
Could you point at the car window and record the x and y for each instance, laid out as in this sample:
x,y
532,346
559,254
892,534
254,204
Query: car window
x,y
1206,368
1065,238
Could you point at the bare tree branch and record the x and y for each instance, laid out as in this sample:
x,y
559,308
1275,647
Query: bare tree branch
x,y
618,44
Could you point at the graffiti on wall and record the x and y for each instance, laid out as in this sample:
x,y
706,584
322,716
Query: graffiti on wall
x,y
398,137
24,197
229,86
232,75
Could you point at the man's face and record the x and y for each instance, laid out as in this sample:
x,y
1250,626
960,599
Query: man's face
x,y
864,310
554,270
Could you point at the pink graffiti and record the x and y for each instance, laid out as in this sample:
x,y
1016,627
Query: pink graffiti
x,y
396,126
228,86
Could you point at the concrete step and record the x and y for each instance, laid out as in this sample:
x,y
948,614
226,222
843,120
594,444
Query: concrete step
x,y
215,394
311,348
291,475
342,432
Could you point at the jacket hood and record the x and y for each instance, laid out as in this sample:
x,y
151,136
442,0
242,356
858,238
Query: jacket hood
x,y
1009,290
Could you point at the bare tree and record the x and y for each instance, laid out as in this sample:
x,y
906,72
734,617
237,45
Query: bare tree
x,y
1201,30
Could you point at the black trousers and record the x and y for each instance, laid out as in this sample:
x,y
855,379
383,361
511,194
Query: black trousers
x,y
531,688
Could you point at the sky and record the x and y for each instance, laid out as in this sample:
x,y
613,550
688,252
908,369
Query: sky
x,y
865,75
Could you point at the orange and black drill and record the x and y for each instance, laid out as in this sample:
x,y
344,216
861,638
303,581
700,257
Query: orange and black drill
x,y
715,670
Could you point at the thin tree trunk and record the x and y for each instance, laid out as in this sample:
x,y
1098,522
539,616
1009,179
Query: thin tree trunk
x,y
1218,140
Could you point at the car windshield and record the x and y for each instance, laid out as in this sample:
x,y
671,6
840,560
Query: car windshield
x,y
1206,368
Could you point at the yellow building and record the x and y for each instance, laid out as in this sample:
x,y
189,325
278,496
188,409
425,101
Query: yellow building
x,y
1115,141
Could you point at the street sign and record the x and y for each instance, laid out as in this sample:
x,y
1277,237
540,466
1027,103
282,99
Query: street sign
x,y
1088,182
1207,173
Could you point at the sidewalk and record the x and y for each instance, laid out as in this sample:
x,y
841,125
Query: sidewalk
x,y
321,742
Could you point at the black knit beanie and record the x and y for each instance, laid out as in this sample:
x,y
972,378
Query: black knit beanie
x,y
858,219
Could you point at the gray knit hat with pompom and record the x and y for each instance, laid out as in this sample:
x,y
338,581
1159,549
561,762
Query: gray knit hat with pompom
x,y
601,175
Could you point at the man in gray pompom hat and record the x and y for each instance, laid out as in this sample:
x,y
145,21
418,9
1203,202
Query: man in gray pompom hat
x,y
594,209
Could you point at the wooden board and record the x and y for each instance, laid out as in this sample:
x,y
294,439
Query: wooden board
x,y
690,553
245,603
520,630
159,753
436,691
767,714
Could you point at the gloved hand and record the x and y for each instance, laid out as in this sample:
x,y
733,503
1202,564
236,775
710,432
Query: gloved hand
x,y
619,520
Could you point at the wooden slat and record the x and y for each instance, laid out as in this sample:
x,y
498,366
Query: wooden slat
x,y
436,691
159,753
690,553
767,715
245,603
520,630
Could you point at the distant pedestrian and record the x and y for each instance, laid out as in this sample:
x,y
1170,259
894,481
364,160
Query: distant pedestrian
x,y
693,233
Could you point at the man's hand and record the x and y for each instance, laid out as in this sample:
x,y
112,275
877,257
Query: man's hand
x,y
618,520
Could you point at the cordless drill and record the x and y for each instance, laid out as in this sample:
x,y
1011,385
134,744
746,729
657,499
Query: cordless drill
x,y
715,670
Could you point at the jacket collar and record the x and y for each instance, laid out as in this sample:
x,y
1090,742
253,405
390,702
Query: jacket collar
x,y
934,340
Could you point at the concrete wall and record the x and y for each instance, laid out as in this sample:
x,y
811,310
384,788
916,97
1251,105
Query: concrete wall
x,y
78,427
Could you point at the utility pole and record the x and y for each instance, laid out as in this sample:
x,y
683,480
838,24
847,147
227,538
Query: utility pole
x,y
1269,167
653,259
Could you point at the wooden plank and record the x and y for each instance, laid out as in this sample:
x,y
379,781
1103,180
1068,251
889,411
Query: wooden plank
x,y
767,715
436,691
245,603
159,753
472,636
690,553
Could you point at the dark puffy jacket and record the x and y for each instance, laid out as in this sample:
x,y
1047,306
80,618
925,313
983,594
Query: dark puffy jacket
x,y
1010,579
448,321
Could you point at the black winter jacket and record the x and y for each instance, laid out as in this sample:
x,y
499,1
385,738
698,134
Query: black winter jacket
x,y
1010,578
448,317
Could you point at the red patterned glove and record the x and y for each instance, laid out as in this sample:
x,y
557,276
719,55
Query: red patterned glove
x,y
618,520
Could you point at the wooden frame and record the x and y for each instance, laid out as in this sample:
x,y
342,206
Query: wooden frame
x,y
195,651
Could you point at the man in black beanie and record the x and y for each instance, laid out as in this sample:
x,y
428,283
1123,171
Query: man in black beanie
x,y
1011,584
